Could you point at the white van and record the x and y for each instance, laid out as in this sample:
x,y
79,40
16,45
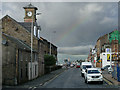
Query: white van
x,y
85,65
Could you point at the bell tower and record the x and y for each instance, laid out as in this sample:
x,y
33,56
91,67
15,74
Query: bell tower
x,y
30,13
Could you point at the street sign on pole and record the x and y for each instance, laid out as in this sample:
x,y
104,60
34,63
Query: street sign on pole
x,y
108,57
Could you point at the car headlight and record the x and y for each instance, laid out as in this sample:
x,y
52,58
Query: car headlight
x,y
89,76
101,76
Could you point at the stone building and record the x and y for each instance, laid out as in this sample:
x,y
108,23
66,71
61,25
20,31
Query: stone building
x,y
15,60
47,48
22,31
23,61
103,40
109,40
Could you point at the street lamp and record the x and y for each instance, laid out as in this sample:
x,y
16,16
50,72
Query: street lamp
x,y
32,39
51,40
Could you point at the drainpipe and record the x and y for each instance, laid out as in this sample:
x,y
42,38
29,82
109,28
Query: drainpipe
x,y
16,66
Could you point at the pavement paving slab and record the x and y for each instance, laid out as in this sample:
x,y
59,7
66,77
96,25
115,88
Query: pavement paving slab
x,y
109,77
38,81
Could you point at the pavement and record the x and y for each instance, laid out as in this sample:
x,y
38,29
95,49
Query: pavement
x,y
38,81
63,78
109,79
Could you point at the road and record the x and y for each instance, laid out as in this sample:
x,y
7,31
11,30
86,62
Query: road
x,y
72,78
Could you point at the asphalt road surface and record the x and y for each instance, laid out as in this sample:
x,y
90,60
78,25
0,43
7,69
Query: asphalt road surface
x,y
69,79
72,78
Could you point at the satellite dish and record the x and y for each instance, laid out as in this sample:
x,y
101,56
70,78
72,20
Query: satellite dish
x,y
4,42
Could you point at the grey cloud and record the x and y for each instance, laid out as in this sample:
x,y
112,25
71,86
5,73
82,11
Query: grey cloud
x,y
78,50
76,24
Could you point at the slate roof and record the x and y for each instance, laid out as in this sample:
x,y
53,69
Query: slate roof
x,y
27,25
30,6
20,44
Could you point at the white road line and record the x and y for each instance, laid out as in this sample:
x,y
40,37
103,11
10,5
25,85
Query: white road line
x,y
34,88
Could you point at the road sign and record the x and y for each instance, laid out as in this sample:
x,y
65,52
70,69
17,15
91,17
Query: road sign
x,y
108,57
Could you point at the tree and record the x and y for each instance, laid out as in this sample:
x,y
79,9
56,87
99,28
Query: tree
x,y
49,60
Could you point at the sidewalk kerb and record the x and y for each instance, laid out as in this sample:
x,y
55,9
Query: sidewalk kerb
x,y
52,78
108,80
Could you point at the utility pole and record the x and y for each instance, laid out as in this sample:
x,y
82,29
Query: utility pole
x,y
32,41
31,45
51,41
110,59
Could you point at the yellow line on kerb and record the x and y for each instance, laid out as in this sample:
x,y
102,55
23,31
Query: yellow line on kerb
x,y
107,81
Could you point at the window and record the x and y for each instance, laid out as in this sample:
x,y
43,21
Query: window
x,y
35,30
21,72
21,55
35,57
26,70
26,57
35,70
45,52
38,33
93,71
86,66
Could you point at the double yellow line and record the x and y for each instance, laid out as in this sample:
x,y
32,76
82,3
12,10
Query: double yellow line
x,y
107,81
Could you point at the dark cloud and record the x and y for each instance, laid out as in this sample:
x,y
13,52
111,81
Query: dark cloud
x,y
78,25
78,50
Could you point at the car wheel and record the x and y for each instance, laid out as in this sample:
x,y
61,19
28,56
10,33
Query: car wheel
x,y
101,82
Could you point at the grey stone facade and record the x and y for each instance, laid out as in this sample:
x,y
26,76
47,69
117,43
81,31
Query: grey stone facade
x,y
16,51
14,62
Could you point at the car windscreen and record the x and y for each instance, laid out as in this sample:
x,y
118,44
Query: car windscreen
x,y
86,66
93,71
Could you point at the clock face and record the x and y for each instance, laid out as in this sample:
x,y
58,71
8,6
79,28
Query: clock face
x,y
29,13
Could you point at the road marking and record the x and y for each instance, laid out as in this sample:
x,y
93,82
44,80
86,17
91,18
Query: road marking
x,y
41,84
34,88
30,88
108,82
52,78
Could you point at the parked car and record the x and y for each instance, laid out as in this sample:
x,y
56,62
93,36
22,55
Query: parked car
x,y
93,75
106,67
110,69
85,65
72,65
78,65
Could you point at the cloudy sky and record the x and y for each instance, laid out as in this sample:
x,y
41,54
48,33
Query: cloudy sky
x,y
78,25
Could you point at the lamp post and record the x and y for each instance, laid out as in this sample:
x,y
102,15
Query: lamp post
x,y
32,40
110,58
51,40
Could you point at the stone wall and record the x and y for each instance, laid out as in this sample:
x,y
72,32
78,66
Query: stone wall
x,y
12,28
8,64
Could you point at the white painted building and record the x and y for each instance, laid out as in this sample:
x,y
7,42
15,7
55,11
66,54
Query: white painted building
x,y
105,57
34,70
